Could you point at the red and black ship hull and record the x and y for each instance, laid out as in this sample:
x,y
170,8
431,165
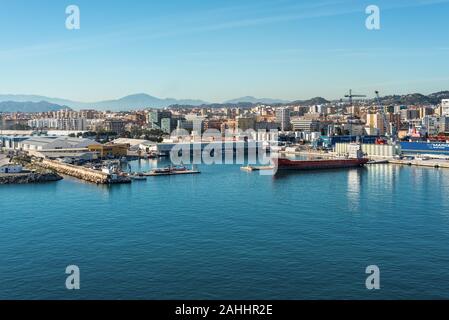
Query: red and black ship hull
x,y
286,164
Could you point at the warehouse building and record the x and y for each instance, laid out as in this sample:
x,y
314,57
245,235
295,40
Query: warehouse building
x,y
55,143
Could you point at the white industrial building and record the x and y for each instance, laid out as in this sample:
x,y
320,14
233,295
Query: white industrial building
x,y
371,150
134,144
55,143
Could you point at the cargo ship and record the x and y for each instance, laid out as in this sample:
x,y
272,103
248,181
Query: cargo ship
x,y
430,147
355,158
286,164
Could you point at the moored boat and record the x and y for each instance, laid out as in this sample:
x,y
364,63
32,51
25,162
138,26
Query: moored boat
x,y
172,170
138,176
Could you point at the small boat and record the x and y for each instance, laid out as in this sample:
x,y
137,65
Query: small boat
x,y
163,170
172,170
138,176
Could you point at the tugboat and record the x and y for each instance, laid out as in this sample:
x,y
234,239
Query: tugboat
x,y
355,158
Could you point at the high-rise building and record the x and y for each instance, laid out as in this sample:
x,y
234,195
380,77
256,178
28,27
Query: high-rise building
x,y
283,118
425,111
155,118
432,124
445,107
246,123
305,125
375,123
409,114
168,125
444,124
115,125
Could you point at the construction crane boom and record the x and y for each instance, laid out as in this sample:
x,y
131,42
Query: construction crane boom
x,y
351,96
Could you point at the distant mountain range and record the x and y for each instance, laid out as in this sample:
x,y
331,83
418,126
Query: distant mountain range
x,y
41,106
254,100
131,102
36,103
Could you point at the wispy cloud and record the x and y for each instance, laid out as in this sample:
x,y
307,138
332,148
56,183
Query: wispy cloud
x,y
222,18
212,20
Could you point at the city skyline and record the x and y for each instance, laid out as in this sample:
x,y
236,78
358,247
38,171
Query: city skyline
x,y
222,50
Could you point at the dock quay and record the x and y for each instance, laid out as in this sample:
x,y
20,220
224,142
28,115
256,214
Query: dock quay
x,y
433,163
382,161
82,173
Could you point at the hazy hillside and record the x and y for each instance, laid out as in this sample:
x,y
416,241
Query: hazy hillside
x,y
311,102
29,103
254,100
137,101
42,106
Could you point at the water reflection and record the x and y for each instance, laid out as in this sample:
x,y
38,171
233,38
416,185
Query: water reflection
x,y
354,189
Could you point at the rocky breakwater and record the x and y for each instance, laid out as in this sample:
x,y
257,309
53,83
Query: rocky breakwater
x,y
29,177
82,173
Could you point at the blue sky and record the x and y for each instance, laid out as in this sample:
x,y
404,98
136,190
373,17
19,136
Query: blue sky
x,y
222,49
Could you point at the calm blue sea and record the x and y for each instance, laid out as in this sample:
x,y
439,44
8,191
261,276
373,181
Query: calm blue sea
x,y
229,234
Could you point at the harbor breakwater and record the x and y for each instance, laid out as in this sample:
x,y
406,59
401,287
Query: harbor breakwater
x,y
31,177
82,173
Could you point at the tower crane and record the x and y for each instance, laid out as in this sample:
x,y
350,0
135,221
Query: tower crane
x,y
351,96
